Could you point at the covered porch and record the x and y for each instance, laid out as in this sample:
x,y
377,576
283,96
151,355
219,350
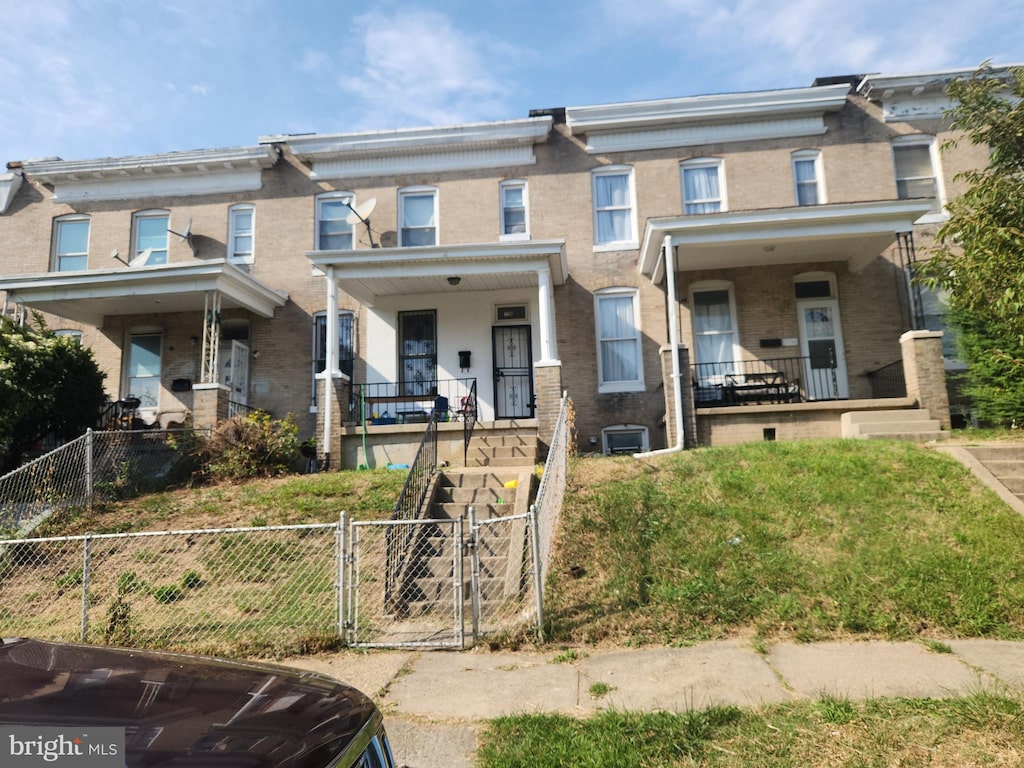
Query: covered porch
x,y
783,311
158,319
436,318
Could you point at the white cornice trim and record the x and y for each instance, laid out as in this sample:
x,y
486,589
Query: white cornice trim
x,y
9,185
696,135
713,109
199,172
416,150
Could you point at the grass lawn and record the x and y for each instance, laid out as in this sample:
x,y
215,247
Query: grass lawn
x,y
800,540
983,729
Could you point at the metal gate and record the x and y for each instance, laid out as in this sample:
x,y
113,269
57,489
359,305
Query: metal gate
x,y
405,584
513,372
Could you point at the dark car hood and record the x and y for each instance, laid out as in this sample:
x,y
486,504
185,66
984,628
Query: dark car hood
x,y
182,710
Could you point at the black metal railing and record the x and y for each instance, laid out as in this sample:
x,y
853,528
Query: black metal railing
x,y
397,402
410,503
467,409
240,409
888,381
120,414
764,381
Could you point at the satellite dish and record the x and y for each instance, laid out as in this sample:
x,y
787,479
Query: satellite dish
x,y
141,259
361,212
186,235
117,256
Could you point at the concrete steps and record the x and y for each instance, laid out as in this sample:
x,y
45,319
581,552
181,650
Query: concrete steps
x,y
915,425
1005,462
516,450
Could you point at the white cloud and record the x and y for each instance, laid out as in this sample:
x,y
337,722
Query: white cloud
x,y
418,68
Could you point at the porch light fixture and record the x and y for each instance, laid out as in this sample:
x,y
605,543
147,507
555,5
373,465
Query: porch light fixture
x,y
454,280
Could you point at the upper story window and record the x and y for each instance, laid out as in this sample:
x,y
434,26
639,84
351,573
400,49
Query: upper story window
x,y
70,243
916,165
417,216
515,221
333,232
149,244
241,233
614,203
807,177
619,362
703,183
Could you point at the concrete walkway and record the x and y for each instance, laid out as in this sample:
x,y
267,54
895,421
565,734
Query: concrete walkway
x,y
434,702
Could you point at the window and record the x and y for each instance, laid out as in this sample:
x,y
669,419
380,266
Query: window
x,y
627,438
614,202
703,184
915,163
144,369
714,331
71,243
807,177
346,345
417,216
70,333
333,232
241,232
619,366
514,215
150,244
417,352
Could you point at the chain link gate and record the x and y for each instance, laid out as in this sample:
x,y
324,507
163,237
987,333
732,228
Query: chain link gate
x,y
405,584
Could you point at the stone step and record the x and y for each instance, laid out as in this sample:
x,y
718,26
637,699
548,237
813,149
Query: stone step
x,y
1014,484
451,480
522,451
526,440
485,495
453,510
1002,468
514,461
984,453
902,414
895,427
914,437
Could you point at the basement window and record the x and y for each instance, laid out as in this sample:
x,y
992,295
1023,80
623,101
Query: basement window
x,y
627,438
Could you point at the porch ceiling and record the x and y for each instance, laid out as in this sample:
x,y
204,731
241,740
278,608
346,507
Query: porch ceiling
x,y
90,296
855,233
370,273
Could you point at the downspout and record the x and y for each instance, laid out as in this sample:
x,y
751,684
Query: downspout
x,y
673,340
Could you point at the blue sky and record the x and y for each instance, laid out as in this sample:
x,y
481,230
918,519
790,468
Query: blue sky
x,y
99,78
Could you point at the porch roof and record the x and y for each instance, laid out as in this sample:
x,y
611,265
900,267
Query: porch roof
x,y
90,296
368,273
855,233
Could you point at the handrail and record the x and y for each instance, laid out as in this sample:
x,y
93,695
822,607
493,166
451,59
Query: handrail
x,y
468,411
888,381
771,380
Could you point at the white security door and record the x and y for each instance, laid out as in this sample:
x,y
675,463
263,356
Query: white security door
x,y
821,344
236,373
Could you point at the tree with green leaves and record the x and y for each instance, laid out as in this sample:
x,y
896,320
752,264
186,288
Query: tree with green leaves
x,y
978,259
49,384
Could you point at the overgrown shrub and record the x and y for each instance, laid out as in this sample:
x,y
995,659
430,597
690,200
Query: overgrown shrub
x,y
255,445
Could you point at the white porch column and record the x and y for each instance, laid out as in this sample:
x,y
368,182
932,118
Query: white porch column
x,y
331,365
546,305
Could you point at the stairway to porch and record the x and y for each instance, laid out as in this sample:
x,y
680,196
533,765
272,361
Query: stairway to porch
x,y
914,424
1005,462
518,449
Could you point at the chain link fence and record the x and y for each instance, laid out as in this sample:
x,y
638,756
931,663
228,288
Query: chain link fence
x,y
96,466
548,504
242,591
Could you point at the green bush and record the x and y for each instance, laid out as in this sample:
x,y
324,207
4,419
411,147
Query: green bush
x,y
168,593
251,446
191,580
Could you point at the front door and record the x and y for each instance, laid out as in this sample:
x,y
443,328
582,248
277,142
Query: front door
x,y
236,373
821,344
513,372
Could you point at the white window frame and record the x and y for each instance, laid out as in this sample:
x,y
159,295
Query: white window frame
x,y
58,225
148,411
154,259
703,162
706,286
418,191
235,256
632,242
73,333
328,197
631,385
645,441
502,207
918,140
814,156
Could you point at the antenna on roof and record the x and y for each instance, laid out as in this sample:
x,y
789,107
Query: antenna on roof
x,y
186,235
362,213
116,255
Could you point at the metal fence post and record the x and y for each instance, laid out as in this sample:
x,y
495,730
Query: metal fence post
x,y
341,544
460,599
88,468
85,587
538,586
474,574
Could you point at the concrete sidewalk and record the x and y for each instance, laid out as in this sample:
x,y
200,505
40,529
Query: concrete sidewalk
x,y
434,702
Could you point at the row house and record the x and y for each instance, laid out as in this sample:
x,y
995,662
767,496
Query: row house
x,y
692,271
